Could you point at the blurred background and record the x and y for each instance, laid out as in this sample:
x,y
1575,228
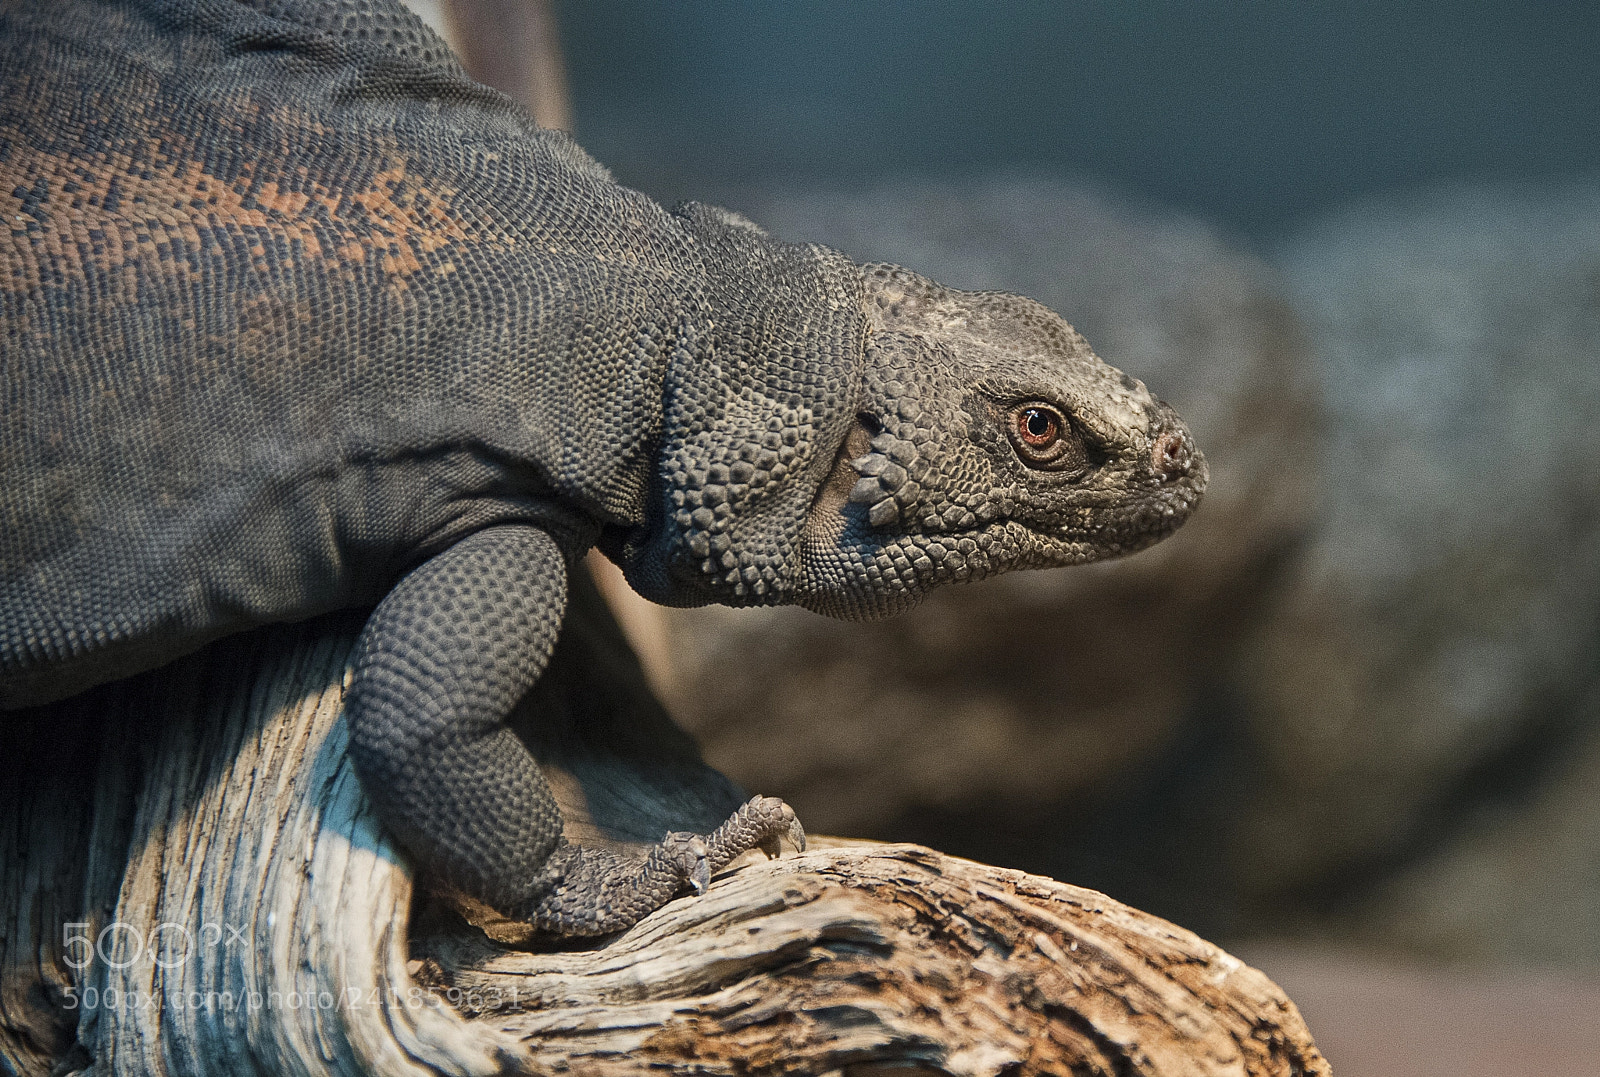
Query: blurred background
x,y
1347,722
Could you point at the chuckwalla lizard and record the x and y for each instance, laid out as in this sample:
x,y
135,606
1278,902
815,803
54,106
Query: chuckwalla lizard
x,y
295,317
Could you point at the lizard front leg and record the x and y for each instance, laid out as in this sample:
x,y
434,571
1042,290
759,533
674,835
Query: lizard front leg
x,y
440,664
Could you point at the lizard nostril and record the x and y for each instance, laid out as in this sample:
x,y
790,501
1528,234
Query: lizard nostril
x,y
1170,456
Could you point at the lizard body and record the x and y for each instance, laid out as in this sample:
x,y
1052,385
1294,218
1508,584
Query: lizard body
x,y
295,317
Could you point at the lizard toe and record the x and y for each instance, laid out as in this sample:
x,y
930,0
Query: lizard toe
x,y
689,855
760,823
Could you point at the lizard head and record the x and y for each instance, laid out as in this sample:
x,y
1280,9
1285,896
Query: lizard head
x,y
931,436
987,437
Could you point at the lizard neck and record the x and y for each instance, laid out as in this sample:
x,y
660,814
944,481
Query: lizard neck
x,y
757,397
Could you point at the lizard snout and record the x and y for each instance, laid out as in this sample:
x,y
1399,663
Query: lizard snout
x,y
1172,455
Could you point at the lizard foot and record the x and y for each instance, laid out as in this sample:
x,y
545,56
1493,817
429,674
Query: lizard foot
x,y
597,891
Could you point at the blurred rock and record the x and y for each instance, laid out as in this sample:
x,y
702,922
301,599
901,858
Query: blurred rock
x,y
1037,687
1426,692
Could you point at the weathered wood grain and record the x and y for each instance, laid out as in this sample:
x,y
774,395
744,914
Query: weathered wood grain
x,y
241,912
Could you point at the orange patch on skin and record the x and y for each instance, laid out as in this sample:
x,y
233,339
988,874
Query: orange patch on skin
x,y
414,217
161,206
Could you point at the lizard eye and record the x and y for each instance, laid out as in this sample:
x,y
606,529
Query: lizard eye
x,y
1039,427
1044,439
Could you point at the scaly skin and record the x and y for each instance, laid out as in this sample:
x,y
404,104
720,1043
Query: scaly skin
x,y
296,318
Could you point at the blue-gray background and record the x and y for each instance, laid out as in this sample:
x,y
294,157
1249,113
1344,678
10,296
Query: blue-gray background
x,y
1248,115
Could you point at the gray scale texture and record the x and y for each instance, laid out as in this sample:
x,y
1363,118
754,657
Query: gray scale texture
x,y
297,318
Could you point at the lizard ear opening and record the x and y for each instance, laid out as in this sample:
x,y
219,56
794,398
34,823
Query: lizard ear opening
x,y
829,518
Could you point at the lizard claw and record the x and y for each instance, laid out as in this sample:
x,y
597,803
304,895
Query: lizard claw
x,y
797,836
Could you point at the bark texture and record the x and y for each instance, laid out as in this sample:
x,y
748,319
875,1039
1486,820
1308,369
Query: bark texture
x,y
193,883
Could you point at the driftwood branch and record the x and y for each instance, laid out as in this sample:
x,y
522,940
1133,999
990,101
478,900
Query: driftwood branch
x,y
891,955
192,883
